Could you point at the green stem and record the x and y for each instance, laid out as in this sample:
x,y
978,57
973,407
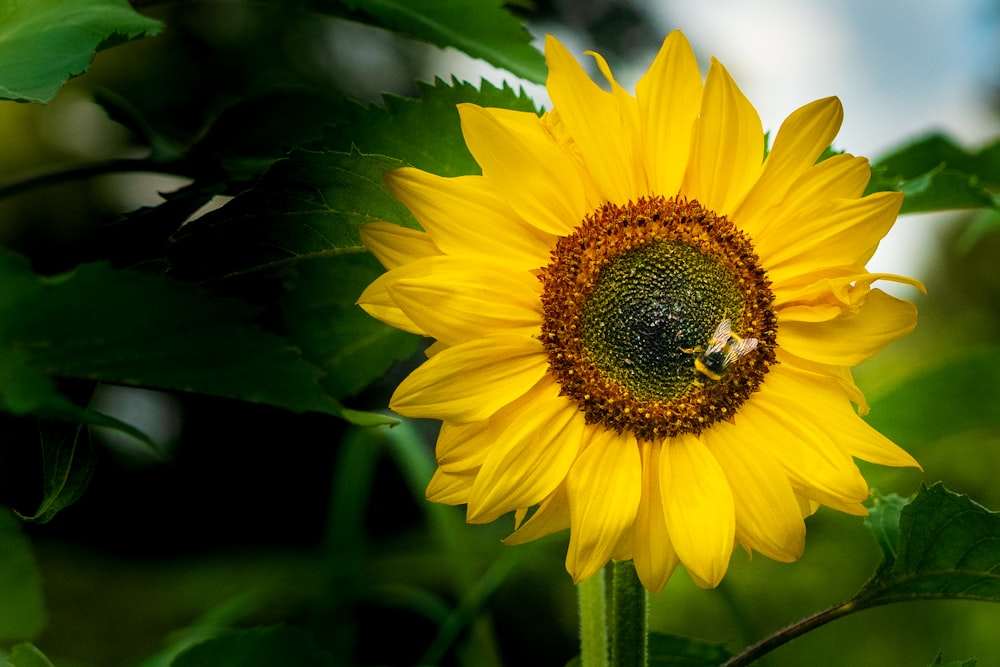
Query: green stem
x,y
790,632
592,595
629,613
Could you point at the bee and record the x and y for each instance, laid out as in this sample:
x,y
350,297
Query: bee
x,y
724,347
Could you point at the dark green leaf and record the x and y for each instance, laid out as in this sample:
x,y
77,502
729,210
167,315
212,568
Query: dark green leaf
x,y
22,613
249,136
481,28
141,237
670,650
67,466
425,132
135,328
323,320
939,662
951,397
949,548
218,620
936,174
26,655
255,648
45,42
26,390
309,205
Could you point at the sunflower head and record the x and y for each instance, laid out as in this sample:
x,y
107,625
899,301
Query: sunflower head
x,y
644,324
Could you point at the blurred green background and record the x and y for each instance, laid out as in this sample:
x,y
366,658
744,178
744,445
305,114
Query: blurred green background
x,y
261,516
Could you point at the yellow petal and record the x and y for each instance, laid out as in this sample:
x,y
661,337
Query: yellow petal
x,y
669,98
845,234
842,176
394,245
375,301
802,138
776,418
471,381
464,216
603,125
838,292
450,488
827,405
840,374
463,446
848,340
603,488
531,457
455,299
727,152
653,552
768,518
550,517
698,507
518,156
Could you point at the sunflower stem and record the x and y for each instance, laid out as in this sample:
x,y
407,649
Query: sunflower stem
x,y
592,595
629,612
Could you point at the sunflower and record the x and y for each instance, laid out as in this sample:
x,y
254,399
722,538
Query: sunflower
x,y
644,319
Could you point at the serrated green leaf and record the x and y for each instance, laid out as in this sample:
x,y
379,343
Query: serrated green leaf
x,y
22,612
27,390
255,132
309,205
948,548
424,132
321,317
68,464
26,655
883,522
480,28
255,648
45,42
936,174
673,651
134,328
957,394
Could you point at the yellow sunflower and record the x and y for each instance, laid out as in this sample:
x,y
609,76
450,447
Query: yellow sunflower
x,y
644,320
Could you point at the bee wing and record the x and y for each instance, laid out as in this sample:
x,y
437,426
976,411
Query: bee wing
x,y
739,348
720,338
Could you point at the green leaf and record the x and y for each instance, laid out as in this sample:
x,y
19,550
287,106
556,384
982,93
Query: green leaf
x,y
424,132
948,548
480,28
309,205
883,522
936,174
255,132
26,655
255,648
135,328
22,614
670,650
27,390
45,42
955,395
321,316
68,464
939,662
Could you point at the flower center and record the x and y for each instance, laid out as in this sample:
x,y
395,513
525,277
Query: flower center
x,y
658,318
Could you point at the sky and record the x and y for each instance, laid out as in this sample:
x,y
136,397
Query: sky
x,y
902,68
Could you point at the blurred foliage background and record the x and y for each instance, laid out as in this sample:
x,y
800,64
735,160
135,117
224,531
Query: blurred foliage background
x,y
258,516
